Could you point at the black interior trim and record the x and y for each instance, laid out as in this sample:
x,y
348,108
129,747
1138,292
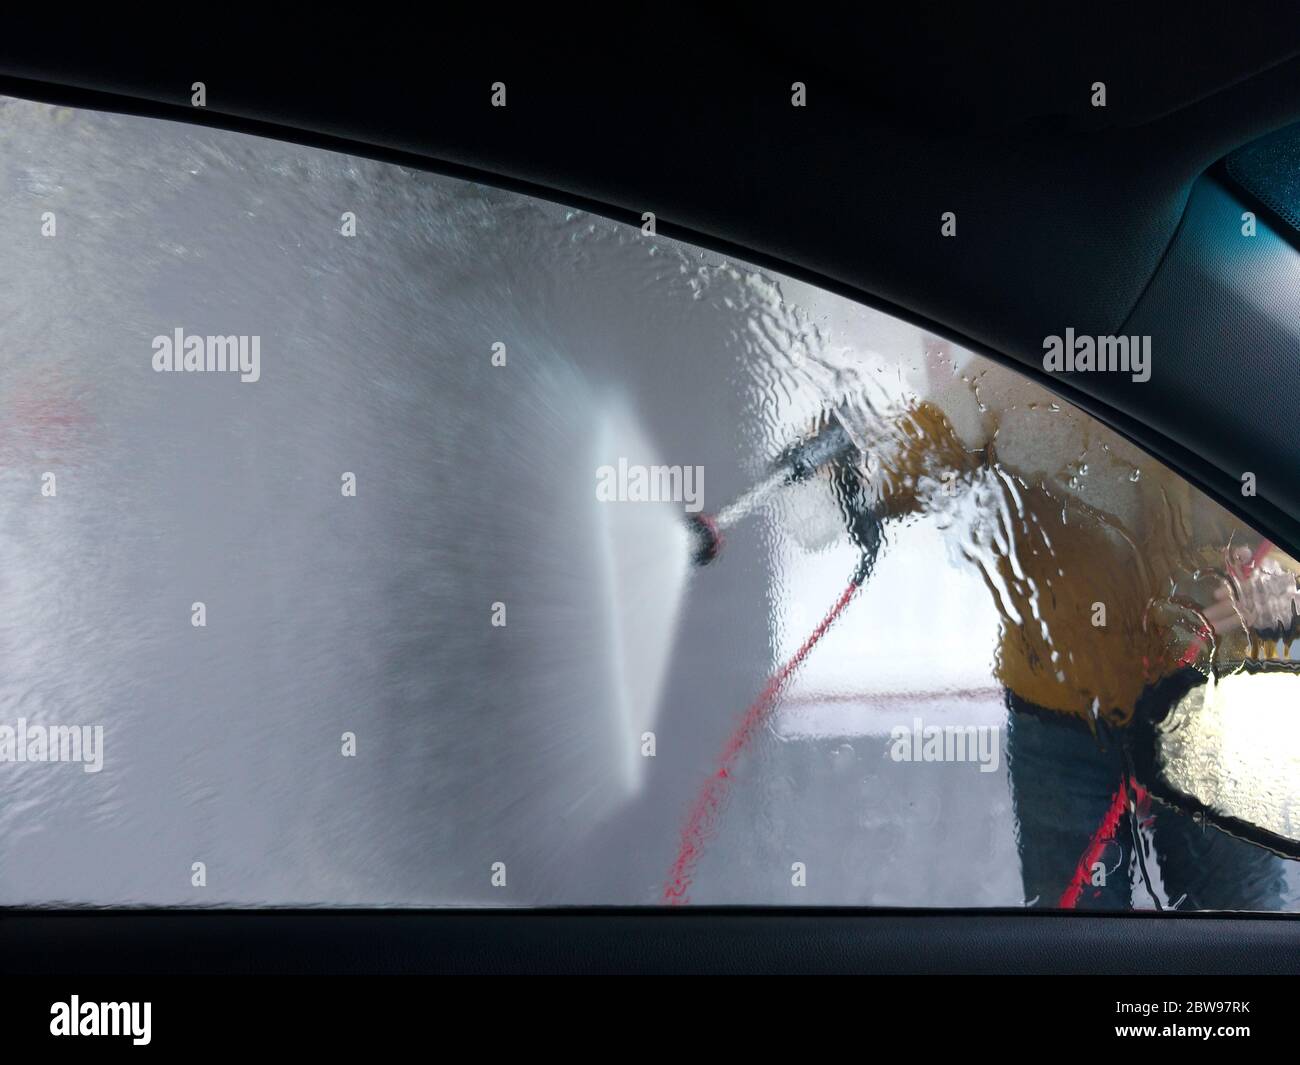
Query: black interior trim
x,y
693,940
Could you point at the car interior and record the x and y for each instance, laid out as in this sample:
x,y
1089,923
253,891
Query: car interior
x,y
761,491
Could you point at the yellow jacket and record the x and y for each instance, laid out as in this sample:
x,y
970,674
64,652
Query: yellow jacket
x,y
1094,553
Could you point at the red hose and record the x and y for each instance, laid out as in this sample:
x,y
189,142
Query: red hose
x,y
1110,822
1106,832
707,808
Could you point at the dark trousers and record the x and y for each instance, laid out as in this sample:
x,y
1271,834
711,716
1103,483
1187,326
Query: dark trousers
x,y
1063,780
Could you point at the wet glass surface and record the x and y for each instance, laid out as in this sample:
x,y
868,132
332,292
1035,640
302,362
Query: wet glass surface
x,y
493,675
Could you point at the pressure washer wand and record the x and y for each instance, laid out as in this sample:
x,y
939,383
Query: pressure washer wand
x,y
796,463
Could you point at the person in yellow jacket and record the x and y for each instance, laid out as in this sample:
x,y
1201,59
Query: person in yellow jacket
x,y
1109,571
